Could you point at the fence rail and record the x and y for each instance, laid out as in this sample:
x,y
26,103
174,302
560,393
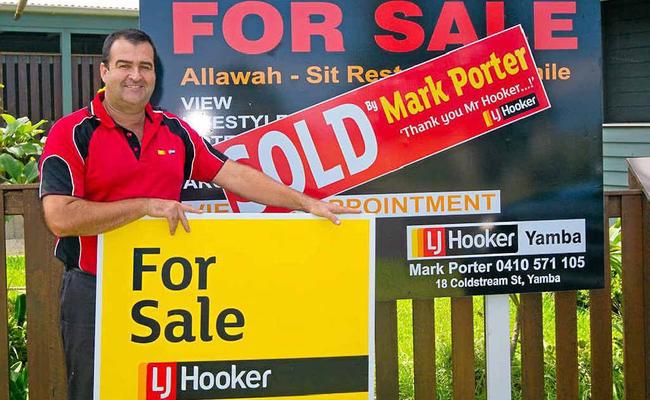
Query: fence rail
x,y
46,368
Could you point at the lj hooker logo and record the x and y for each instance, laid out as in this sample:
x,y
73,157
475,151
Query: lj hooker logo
x,y
248,379
459,241
500,238
207,380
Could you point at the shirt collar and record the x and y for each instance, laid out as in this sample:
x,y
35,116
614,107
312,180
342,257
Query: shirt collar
x,y
97,110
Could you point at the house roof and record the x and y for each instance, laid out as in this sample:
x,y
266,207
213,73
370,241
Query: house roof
x,y
126,7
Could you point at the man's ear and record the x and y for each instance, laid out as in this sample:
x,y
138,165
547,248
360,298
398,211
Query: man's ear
x,y
103,70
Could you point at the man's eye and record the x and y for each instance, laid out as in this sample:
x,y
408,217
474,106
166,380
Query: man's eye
x,y
147,67
123,66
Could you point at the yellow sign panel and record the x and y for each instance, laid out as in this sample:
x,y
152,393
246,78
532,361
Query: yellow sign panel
x,y
243,307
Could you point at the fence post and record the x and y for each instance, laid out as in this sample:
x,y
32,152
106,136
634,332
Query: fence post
x,y
566,345
462,347
600,320
4,355
532,347
386,350
66,71
497,347
44,349
639,178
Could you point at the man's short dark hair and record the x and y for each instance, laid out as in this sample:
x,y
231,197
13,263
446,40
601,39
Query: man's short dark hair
x,y
133,36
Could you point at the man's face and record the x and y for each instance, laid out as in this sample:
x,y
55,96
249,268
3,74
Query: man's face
x,y
129,76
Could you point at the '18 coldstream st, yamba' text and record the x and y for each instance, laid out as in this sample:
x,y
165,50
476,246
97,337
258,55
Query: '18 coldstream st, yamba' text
x,y
513,280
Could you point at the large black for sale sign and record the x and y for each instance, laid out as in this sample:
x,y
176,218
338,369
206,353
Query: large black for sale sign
x,y
516,210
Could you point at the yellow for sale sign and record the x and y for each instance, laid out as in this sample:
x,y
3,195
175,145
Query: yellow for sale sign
x,y
243,307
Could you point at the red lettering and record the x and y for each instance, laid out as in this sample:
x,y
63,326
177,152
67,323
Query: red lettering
x,y
386,17
185,28
302,29
494,17
545,25
233,28
452,12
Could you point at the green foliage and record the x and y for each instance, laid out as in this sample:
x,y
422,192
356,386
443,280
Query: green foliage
x,y
17,326
18,389
616,265
20,147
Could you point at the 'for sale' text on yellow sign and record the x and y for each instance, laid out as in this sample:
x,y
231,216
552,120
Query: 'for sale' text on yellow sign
x,y
244,307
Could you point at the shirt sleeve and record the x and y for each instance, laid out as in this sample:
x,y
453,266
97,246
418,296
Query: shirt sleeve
x,y
62,168
207,160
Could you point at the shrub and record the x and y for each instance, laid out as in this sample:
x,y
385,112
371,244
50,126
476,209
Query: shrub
x,y
18,389
20,147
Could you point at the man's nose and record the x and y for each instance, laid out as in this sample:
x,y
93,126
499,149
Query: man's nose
x,y
135,74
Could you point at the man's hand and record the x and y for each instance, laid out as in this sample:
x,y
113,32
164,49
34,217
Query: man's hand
x,y
71,216
171,210
253,185
328,210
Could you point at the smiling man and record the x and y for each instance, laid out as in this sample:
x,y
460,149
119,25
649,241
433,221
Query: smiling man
x,y
118,160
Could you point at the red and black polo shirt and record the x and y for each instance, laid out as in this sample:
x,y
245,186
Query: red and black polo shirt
x,y
87,155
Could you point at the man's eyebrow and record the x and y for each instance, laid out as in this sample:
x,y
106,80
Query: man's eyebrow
x,y
148,63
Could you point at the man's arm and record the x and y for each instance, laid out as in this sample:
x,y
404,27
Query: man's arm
x,y
72,216
254,185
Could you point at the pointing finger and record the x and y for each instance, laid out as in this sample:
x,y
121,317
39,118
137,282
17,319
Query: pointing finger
x,y
346,210
191,209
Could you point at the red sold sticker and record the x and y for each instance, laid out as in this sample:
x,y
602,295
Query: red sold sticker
x,y
379,128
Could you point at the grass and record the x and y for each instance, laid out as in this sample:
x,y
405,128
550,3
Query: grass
x,y
15,275
443,348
